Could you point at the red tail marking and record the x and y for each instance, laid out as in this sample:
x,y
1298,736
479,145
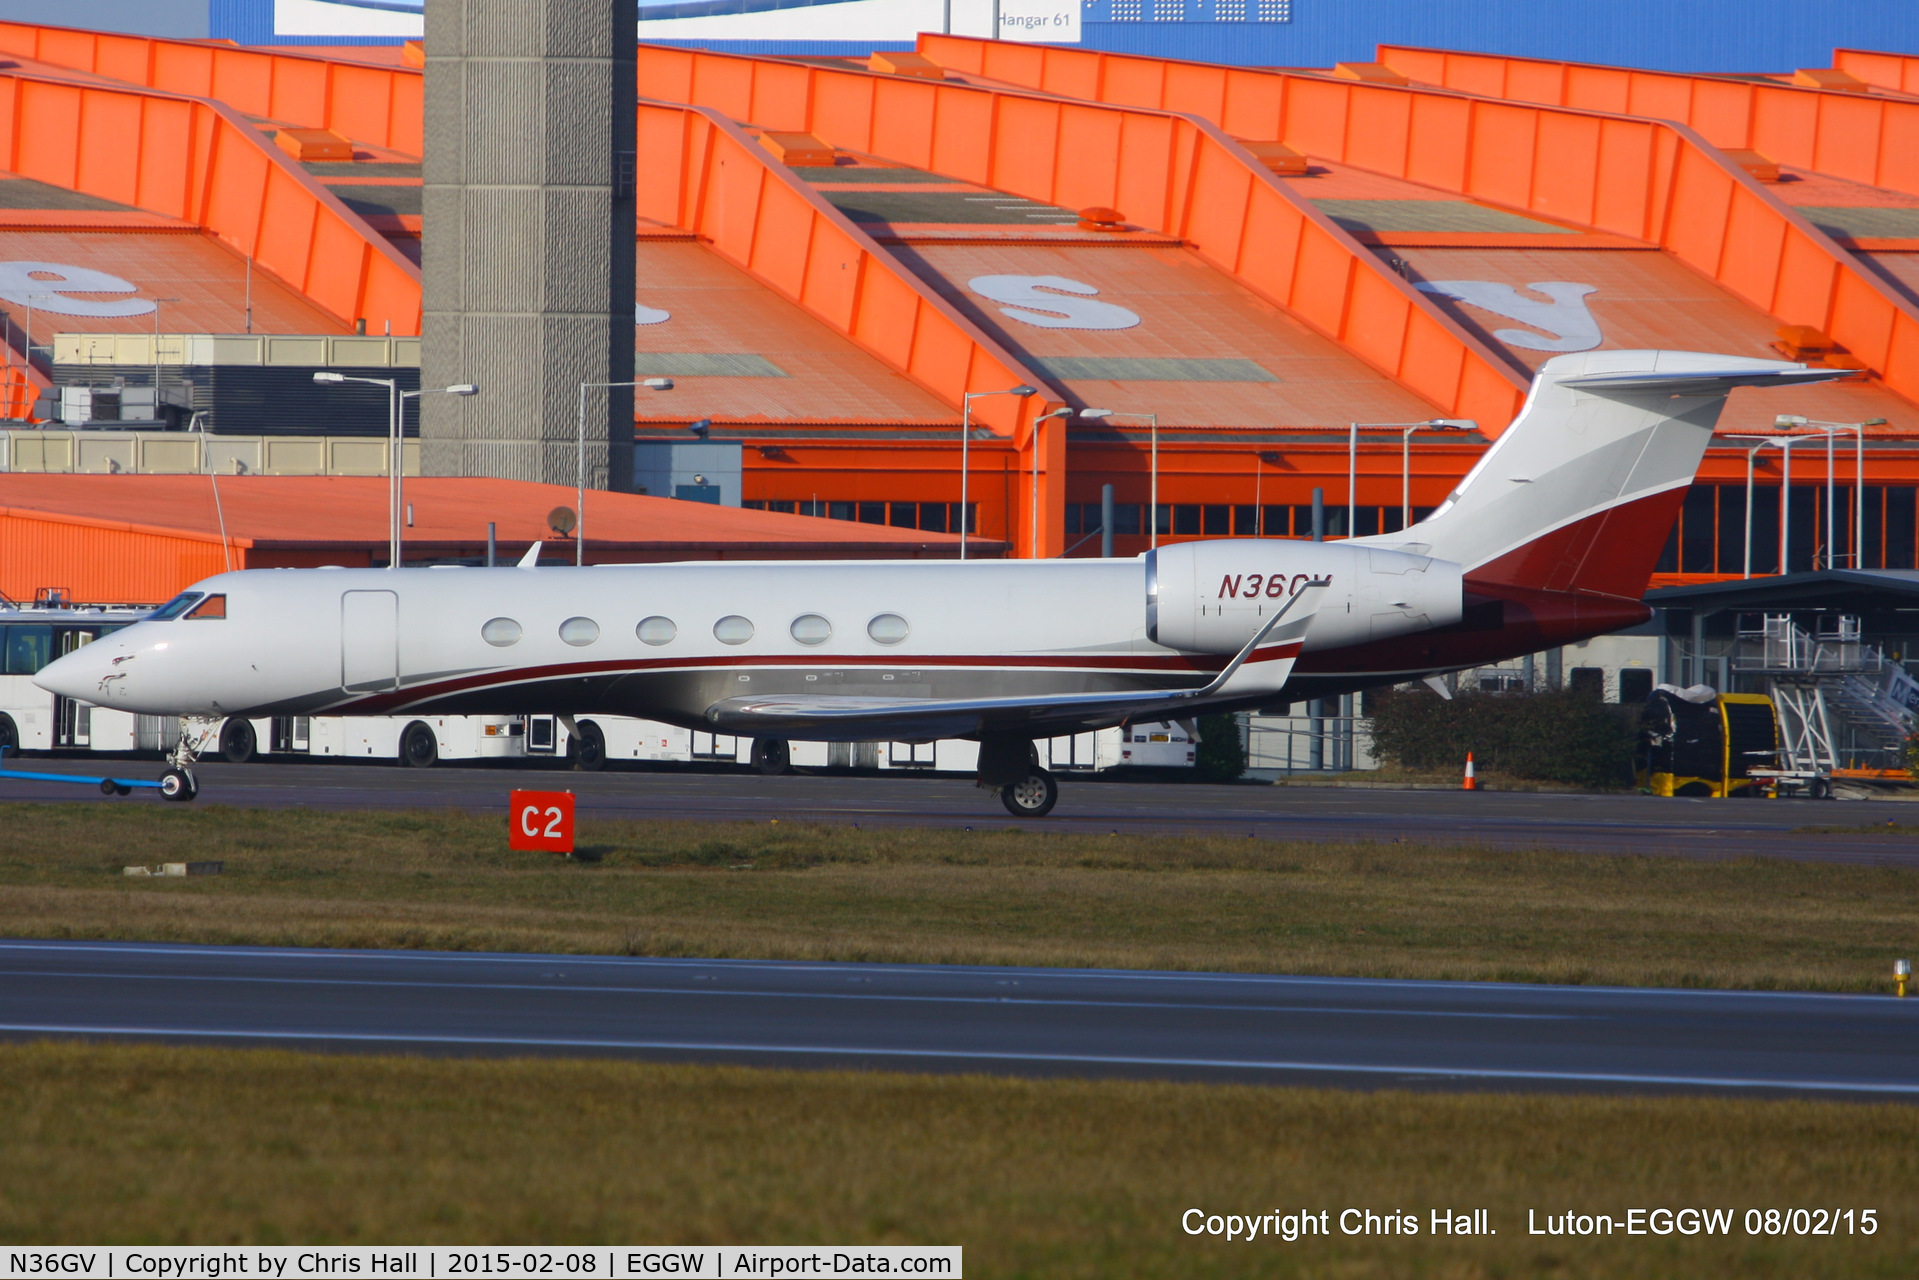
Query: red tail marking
x,y
1611,552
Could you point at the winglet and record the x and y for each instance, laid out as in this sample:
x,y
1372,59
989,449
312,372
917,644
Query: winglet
x,y
531,560
1310,594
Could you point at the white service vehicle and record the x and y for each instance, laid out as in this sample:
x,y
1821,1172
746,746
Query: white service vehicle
x,y
594,741
32,719
419,741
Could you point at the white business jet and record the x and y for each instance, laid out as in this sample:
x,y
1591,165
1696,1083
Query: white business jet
x,y
1549,539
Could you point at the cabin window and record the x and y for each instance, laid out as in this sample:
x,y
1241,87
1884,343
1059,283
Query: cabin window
x,y
579,631
733,629
175,607
810,628
656,630
888,628
211,607
500,632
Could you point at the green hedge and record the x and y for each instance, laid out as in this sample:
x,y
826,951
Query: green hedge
x,y
1221,756
1553,736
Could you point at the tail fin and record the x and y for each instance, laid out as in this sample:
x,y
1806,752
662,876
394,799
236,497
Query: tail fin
x,y
1581,491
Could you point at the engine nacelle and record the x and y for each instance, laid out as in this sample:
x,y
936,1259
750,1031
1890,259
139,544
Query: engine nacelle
x,y
1212,597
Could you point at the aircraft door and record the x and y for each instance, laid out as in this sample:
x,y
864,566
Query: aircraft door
x,y
369,641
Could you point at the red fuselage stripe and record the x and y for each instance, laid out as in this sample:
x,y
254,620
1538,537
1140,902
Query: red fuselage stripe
x,y
1181,664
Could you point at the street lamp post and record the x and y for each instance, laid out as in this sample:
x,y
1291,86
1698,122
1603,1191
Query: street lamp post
x,y
1406,458
1405,462
395,400
1152,521
1826,430
1033,500
1750,454
966,436
579,513
1784,444
1831,429
28,346
156,353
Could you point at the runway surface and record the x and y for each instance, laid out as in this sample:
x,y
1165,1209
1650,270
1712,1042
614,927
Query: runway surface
x,y
946,1018
1599,823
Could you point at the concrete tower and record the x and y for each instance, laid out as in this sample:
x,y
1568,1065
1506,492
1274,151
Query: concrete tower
x,y
528,237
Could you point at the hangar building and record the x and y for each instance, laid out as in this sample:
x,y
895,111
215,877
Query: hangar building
x,y
841,262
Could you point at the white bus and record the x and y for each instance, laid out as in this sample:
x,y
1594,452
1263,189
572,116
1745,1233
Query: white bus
x,y
608,739
31,719
419,741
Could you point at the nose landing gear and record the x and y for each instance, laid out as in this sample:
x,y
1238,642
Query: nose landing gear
x,y
178,782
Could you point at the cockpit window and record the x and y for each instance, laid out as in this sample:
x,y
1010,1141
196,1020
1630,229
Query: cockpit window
x,y
176,606
211,607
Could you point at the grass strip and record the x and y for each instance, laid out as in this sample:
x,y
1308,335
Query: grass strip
x,y
1036,1178
786,891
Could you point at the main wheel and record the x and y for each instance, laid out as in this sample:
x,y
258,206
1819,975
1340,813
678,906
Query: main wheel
x,y
1032,796
588,747
771,756
419,749
178,784
238,741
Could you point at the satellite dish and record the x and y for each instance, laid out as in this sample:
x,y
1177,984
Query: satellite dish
x,y
561,520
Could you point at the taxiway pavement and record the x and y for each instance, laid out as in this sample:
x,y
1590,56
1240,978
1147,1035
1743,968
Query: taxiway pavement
x,y
1252,1028
1594,823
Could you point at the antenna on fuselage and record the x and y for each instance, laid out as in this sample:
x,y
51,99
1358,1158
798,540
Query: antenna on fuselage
x,y
531,560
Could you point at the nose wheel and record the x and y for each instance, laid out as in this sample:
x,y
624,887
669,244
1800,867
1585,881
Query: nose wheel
x,y
1032,796
178,782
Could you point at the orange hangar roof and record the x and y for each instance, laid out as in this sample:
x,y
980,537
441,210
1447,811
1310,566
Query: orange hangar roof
x,y
1840,152
1111,318
1896,72
144,537
168,185
1543,228
742,353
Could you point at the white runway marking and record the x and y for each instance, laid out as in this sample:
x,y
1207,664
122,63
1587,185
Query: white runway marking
x,y
977,1055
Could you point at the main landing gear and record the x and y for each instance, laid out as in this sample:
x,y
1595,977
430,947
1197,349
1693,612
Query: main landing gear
x,y
1032,796
772,756
1011,767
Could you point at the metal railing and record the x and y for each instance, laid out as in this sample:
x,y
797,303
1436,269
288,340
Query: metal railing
x,y
1287,744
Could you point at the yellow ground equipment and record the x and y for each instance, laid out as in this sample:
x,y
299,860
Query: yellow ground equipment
x,y
1697,742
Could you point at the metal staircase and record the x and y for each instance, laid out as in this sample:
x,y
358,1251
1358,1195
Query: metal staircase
x,y
1842,703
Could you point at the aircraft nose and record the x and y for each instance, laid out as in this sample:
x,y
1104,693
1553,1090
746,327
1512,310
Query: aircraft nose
x,y
77,675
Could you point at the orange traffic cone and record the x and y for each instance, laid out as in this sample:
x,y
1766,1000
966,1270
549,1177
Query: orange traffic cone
x,y
1469,784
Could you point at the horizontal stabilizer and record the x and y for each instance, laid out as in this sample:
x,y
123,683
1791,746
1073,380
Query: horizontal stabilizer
x,y
1701,382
